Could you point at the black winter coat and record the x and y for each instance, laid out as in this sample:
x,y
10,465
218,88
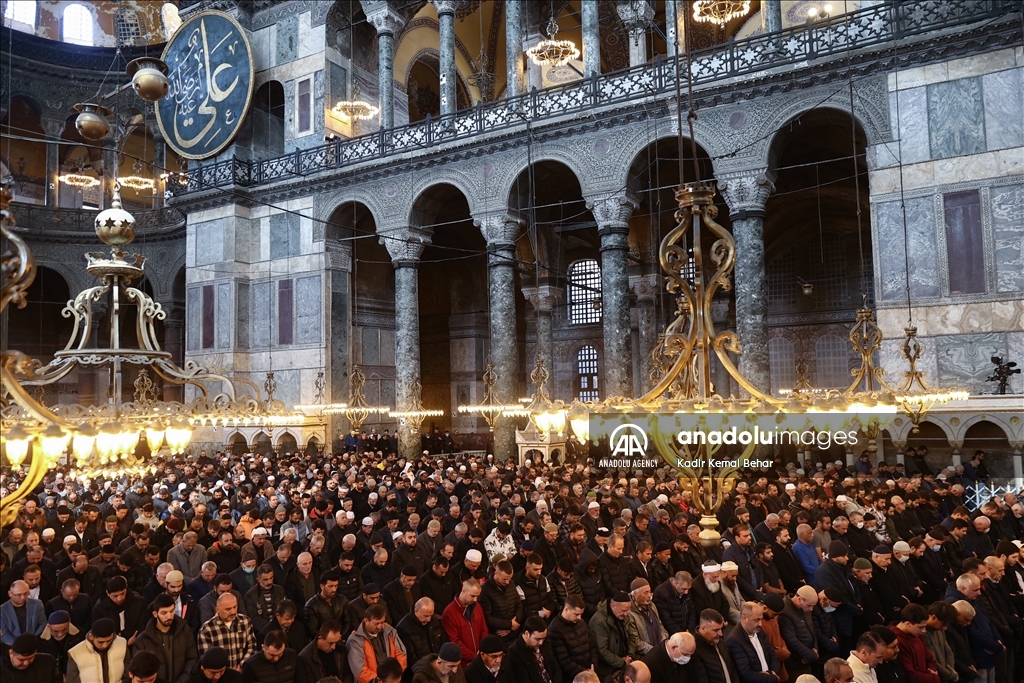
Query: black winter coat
x,y
136,613
706,665
797,629
536,595
676,611
257,669
420,640
572,646
522,667
317,611
590,584
704,599
502,604
663,668
441,590
614,573
176,665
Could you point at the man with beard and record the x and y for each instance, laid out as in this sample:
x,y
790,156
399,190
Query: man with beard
x,y
885,584
785,561
612,566
72,600
534,590
438,583
643,625
711,661
409,552
59,636
170,639
707,590
890,670
101,658
930,564
751,651
486,667
869,603
401,594
742,554
122,606
261,601
766,574
611,641
731,591
326,606
184,606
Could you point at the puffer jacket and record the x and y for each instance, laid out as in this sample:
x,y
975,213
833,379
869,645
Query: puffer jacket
x,y
614,573
798,632
420,640
561,588
676,611
589,583
572,645
284,670
536,595
502,604
610,641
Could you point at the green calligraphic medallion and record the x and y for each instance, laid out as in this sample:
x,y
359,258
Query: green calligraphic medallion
x,y
210,69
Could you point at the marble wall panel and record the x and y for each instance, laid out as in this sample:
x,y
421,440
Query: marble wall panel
x,y
288,385
965,359
242,308
309,309
924,271
913,124
387,347
956,118
209,243
288,39
337,84
1015,346
1004,108
194,311
1008,237
284,235
261,307
369,352
225,316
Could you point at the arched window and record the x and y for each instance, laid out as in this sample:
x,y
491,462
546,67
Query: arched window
x,y
830,352
782,363
20,15
584,292
77,25
126,25
586,374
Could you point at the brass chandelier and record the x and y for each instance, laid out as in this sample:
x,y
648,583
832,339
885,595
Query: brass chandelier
x,y
720,12
553,52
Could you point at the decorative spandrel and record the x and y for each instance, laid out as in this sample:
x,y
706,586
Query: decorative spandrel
x,y
210,69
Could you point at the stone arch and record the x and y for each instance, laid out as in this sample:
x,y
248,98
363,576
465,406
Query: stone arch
x,y
422,209
326,204
507,183
998,420
772,131
639,142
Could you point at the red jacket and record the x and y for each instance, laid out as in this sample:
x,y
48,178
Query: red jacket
x,y
916,658
467,634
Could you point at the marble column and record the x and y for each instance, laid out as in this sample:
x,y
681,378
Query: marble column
x,y
746,194
387,21
514,74
637,16
591,38
446,19
672,29
543,299
612,212
646,288
159,164
340,326
500,230
51,183
109,171
174,344
405,251
771,16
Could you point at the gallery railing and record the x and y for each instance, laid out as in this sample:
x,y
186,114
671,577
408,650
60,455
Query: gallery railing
x,y
33,219
879,26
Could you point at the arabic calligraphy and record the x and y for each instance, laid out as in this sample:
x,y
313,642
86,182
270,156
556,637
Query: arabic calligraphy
x,y
210,72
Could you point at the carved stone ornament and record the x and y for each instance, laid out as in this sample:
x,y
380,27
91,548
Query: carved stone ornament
x,y
500,228
384,18
544,297
746,191
612,210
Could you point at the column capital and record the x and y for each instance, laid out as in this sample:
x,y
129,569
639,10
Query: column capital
x,y
746,192
635,14
449,6
385,18
52,127
499,228
645,287
612,212
405,245
544,297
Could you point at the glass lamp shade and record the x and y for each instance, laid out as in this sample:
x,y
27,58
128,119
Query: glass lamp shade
x,y
54,442
557,417
579,420
107,441
127,441
16,444
177,436
155,438
83,441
